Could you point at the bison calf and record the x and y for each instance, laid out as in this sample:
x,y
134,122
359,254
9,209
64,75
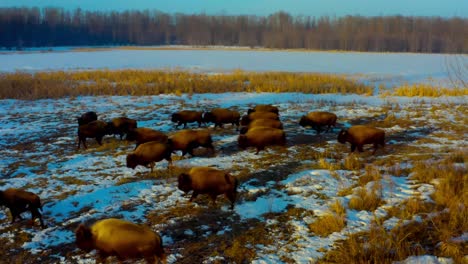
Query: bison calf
x,y
19,201
317,120
246,119
205,180
361,135
123,239
147,154
260,137
187,140
96,129
220,116
187,116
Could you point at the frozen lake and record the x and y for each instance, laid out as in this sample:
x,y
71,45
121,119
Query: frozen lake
x,y
394,67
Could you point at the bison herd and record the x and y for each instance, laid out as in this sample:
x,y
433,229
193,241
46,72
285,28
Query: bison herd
x,y
260,127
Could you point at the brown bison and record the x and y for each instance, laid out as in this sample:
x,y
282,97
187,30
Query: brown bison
x,y
121,126
317,120
87,118
147,154
123,239
264,108
205,180
361,135
187,116
220,116
260,137
19,201
187,140
262,123
142,135
96,129
246,119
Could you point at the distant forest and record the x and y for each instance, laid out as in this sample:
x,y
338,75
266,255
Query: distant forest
x,y
34,27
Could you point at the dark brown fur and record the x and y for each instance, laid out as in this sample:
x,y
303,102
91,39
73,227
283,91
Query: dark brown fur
x,y
187,116
123,239
187,140
19,201
87,118
205,180
142,135
260,137
262,123
96,129
359,135
121,126
220,116
246,119
147,154
264,108
318,119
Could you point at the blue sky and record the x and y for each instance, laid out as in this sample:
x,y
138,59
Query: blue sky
x,y
445,8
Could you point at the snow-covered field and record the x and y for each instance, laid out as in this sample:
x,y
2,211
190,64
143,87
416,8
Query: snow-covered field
x,y
39,152
381,67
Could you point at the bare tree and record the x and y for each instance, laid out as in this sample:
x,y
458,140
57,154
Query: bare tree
x,y
457,68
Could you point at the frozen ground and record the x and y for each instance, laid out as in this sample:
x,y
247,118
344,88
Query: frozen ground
x,y
38,149
394,68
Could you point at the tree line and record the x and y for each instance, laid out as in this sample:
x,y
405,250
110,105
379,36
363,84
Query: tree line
x,y
34,27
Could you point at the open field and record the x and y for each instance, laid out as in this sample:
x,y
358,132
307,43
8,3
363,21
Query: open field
x,y
312,202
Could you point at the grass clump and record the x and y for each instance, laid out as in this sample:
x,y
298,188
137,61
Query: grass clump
x,y
59,84
332,221
429,90
366,199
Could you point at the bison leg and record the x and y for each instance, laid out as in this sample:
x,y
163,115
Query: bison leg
x,y
232,197
35,214
360,148
194,195
99,140
376,145
353,147
213,198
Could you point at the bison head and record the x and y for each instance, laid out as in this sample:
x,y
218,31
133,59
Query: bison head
x,y
245,120
242,141
208,117
250,111
175,117
303,121
243,130
84,238
184,182
342,136
131,161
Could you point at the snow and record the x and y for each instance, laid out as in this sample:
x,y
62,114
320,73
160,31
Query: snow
x,y
375,67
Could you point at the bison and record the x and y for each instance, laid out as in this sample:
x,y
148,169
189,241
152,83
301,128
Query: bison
x,y
96,129
143,135
205,180
220,116
260,137
120,238
264,108
19,201
262,123
87,118
147,154
187,116
317,120
187,140
121,126
246,119
361,135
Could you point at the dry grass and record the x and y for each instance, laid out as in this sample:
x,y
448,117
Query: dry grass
x,y
139,82
332,221
429,90
367,199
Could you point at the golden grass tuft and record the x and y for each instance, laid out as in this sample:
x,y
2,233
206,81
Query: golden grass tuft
x,y
332,221
57,84
429,90
364,199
